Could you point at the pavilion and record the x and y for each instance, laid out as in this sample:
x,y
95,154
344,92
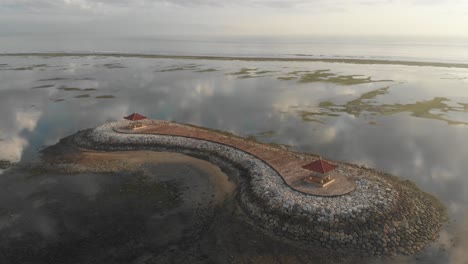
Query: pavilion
x,y
322,172
135,119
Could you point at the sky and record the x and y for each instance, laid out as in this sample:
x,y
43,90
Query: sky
x,y
235,17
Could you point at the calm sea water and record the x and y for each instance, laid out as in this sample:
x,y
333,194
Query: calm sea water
x,y
406,120
386,48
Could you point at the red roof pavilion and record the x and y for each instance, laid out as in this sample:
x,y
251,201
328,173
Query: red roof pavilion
x,y
135,117
320,166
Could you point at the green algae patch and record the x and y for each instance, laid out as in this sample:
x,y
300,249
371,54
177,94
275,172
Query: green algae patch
x,y
316,76
85,79
30,68
419,109
286,78
252,76
207,70
43,86
76,89
366,104
54,79
243,71
116,65
373,94
330,77
83,96
300,72
263,72
105,97
248,73
185,67
350,80
326,104
173,69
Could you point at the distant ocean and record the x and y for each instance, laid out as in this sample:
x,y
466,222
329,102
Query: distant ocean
x,y
419,49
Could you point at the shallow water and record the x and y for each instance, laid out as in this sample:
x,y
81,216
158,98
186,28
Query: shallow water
x,y
442,49
112,217
406,120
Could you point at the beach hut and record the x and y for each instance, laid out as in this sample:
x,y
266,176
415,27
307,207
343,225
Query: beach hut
x,y
135,119
321,172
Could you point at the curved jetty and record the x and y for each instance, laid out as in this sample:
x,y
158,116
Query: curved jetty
x,y
363,212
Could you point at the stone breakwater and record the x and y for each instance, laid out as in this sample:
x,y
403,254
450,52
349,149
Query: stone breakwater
x,y
383,216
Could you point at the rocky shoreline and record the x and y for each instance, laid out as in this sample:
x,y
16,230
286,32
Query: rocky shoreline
x,y
383,216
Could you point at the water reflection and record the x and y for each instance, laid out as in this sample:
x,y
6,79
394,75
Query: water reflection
x,y
414,126
107,218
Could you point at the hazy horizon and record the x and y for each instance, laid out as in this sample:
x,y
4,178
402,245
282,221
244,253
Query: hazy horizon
x,y
103,18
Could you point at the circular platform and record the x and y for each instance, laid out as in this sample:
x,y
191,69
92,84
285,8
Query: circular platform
x,y
341,186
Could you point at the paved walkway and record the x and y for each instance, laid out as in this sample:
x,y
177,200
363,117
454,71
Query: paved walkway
x,y
286,163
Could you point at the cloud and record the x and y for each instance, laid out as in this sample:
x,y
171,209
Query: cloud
x,y
248,3
92,5
241,17
73,7
107,5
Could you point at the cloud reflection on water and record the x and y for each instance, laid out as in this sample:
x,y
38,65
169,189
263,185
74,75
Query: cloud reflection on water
x,y
17,120
427,151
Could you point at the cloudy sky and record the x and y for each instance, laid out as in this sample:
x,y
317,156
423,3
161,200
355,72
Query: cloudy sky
x,y
235,17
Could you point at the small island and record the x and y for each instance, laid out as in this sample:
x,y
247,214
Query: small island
x,y
337,207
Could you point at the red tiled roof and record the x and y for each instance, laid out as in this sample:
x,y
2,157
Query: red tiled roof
x,y
319,166
135,117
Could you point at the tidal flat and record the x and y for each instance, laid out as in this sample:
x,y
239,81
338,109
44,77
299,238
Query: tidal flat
x,y
413,126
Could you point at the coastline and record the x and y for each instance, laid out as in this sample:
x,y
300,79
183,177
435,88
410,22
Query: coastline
x,y
383,216
239,58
